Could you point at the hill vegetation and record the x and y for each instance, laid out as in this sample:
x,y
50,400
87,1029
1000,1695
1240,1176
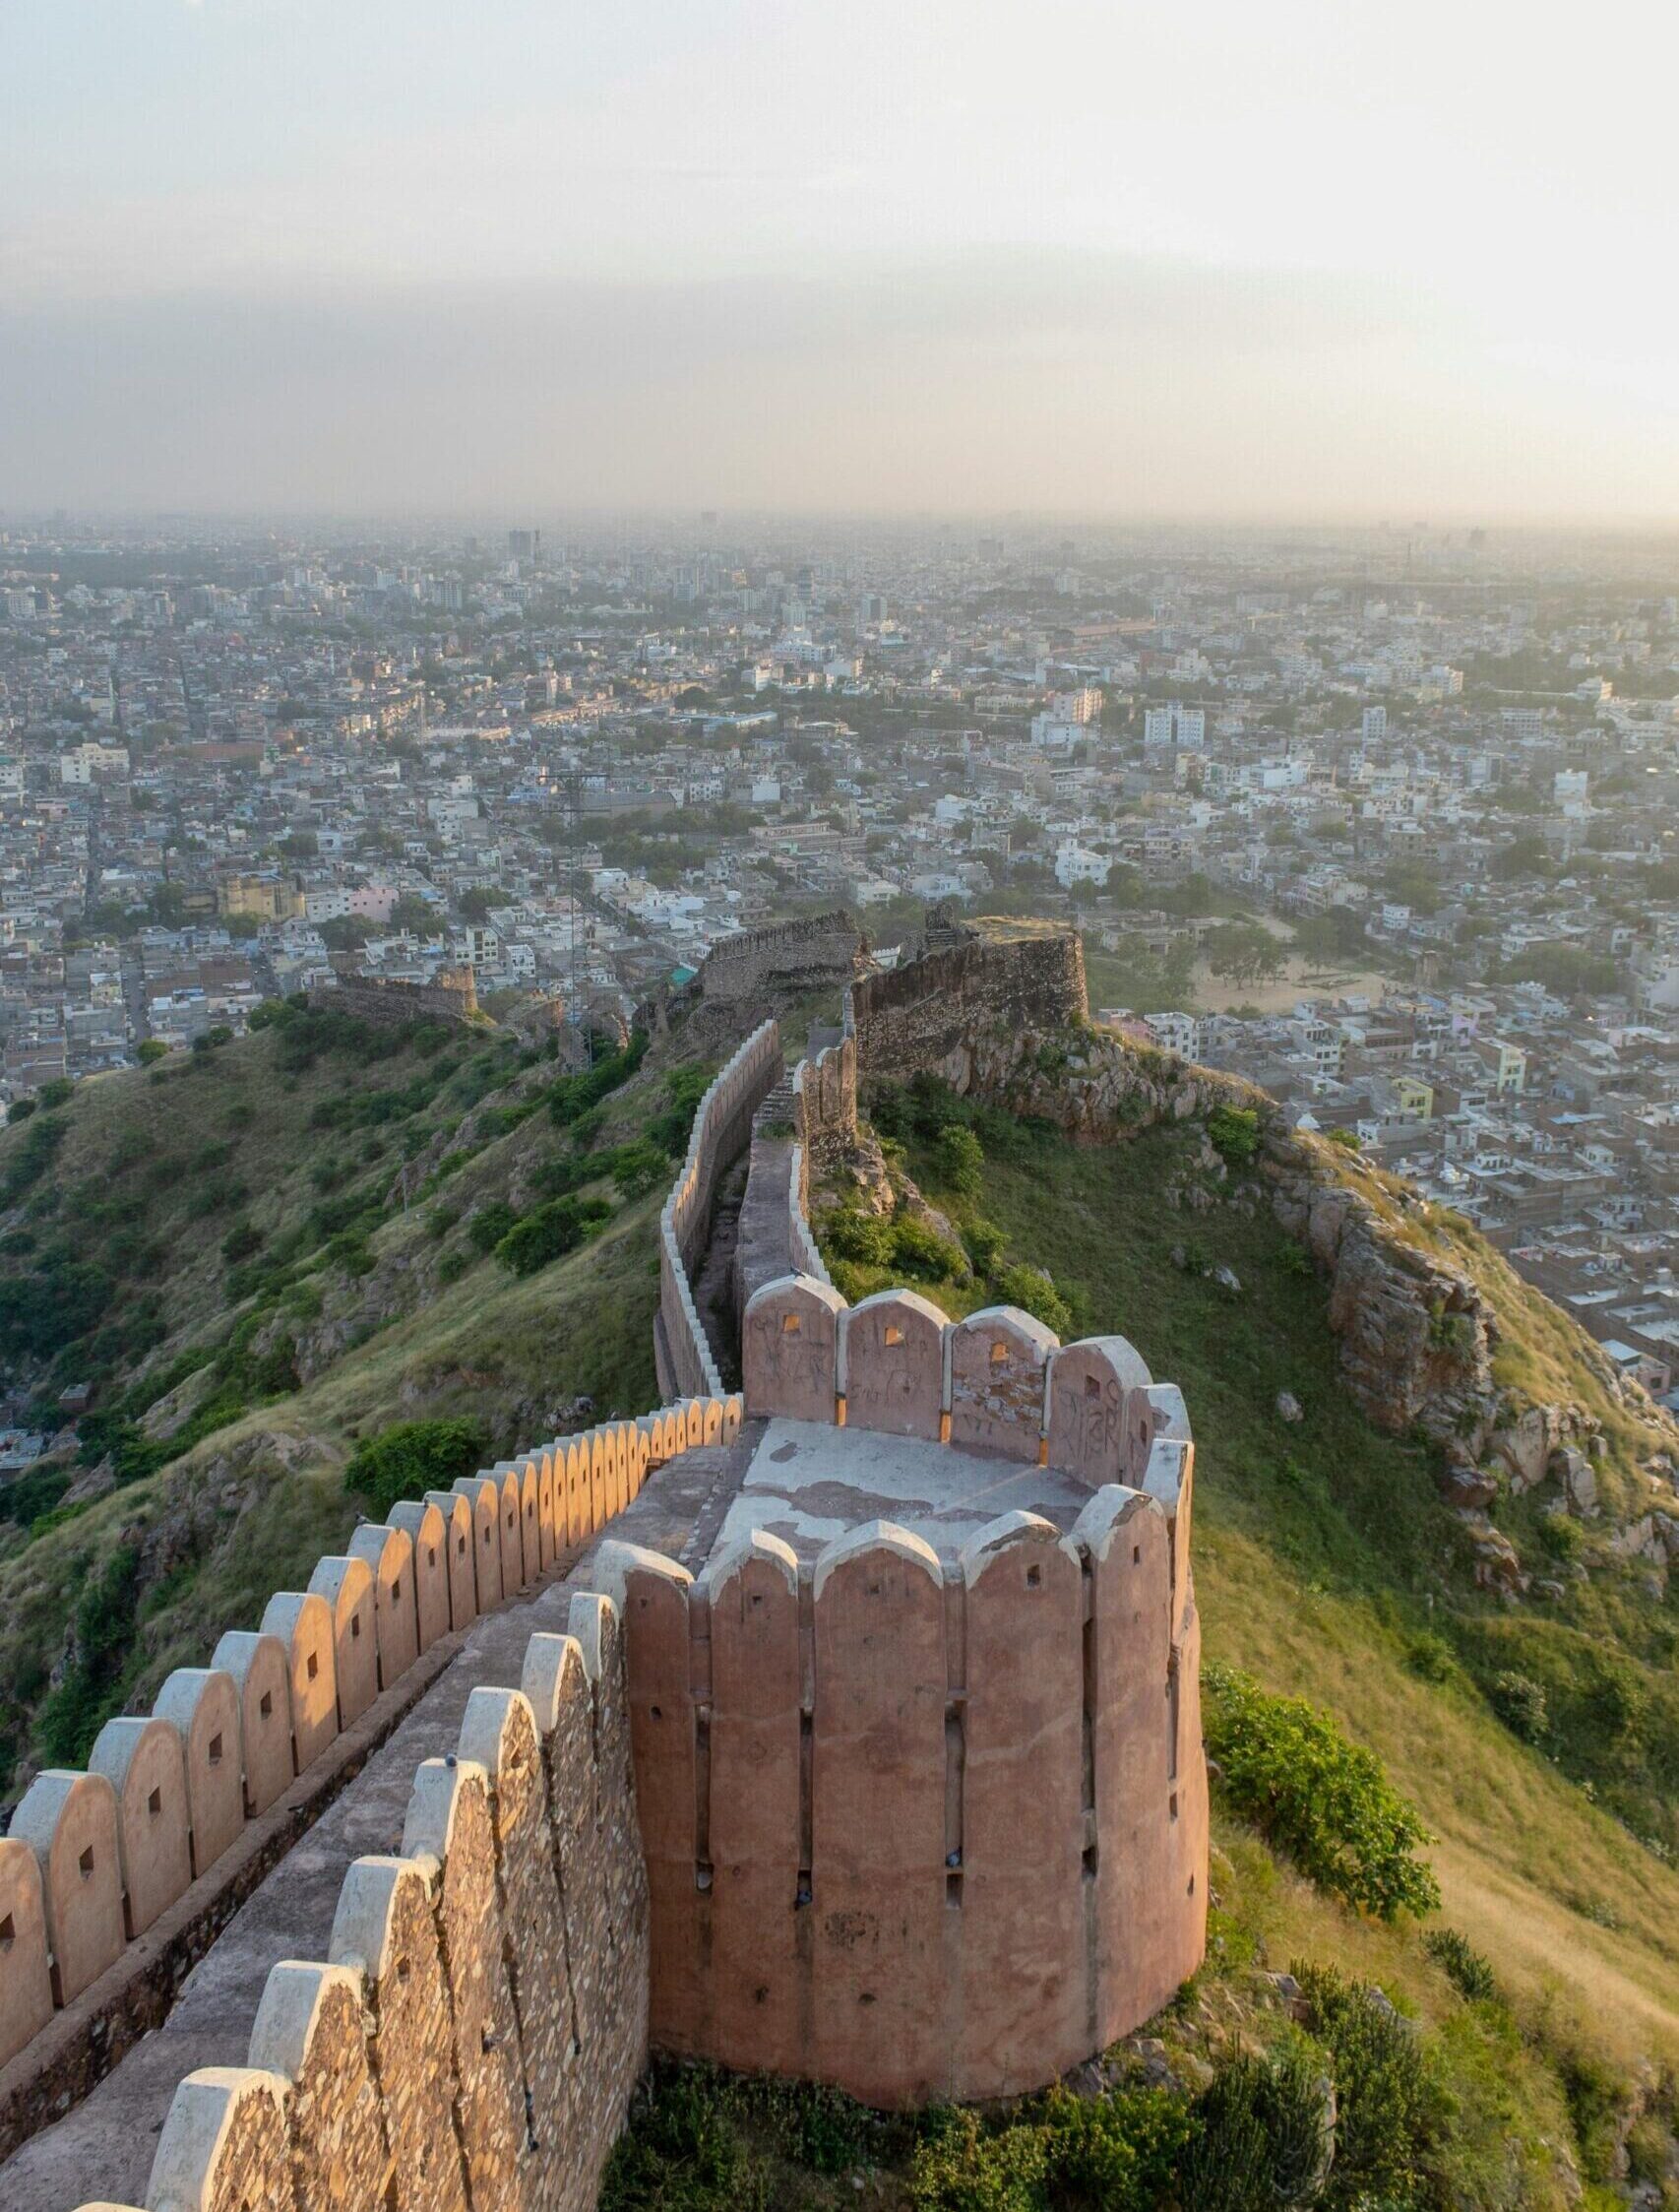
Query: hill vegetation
x,y
255,1257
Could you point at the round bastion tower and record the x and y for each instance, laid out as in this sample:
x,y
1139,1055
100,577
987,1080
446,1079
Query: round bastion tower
x,y
917,1751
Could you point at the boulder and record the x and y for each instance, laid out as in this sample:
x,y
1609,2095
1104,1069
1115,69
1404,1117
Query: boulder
x,y
1289,1408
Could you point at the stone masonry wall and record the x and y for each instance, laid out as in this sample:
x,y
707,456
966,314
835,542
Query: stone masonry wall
x,y
451,996
999,977
813,952
473,2038
687,1363
141,1844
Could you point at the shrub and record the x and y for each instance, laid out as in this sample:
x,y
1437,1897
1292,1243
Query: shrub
x,y
412,1457
960,2168
1233,1133
962,1161
984,1244
1264,2135
90,1686
1430,1658
241,1241
1391,2106
490,1224
153,1049
1559,1537
1035,1293
638,1167
920,1250
550,1232
1115,2153
56,1093
1322,1800
1519,1703
452,1265
1470,1974
848,1234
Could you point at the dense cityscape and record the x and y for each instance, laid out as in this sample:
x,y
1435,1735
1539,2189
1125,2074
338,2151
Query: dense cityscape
x,y
1375,819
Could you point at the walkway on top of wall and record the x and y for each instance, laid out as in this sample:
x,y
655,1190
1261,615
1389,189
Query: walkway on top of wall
x,y
103,2148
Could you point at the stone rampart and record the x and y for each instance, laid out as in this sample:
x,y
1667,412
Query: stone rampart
x,y
452,995
474,2036
686,1360
811,953
141,1844
998,977
824,1094
926,1832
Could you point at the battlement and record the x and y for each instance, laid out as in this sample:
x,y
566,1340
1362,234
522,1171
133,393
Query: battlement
x,y
812,953
182,1810
999,975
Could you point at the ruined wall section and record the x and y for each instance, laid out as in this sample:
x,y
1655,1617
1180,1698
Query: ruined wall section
x,y
168,1828
475,2034
685,1356
825,1094
997,979
452,995
813,953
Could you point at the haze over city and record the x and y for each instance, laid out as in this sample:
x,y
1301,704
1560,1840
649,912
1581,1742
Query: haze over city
x,y
1310,261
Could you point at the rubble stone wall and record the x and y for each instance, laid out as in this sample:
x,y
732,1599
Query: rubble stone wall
x,y
809,953
452,995
997,976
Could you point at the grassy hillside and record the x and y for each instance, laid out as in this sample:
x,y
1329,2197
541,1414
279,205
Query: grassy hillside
x,y
1326,1566
256,1255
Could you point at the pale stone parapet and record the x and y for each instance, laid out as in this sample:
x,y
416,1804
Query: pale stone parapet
x,y
713,1422
145,1763
450,1827
224,2146
303,1622
734,1413
576,1492
515,1572
1089,1385
459,1547
484,1497
25,1973
422,1522
791,1348
388,1554
599,1451
70,1822
203,1704
346,1585
498,1732
309,2030
260,1668
879,1816
384,1928
547,1544
997,1363
892,1364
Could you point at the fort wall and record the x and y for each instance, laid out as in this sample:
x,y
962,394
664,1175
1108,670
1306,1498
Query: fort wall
x,y
995,977
452,995
114,1881
687,1362
476,2030
808,953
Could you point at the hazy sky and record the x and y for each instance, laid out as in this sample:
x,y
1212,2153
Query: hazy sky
x,y
1203,257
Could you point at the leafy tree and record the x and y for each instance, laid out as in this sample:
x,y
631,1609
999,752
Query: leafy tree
x,y
962,1161
1241,952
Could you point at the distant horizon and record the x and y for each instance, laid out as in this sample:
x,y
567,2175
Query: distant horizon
x,y
267,256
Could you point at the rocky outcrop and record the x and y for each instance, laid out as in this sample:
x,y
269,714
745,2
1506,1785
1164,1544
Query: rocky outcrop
x,y
1417,1334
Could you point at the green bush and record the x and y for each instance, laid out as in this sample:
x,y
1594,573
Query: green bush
x,y
1322,1800
490,1224
1233,1133
550,1232
56,1093
961,2167
1559,1537
1470,1974
153,1049
241,1241
984,1244
452,1265
1115,2153
410,1458
1035,1293
90,1687
848,1234
638,1167
1392,2108
920,1250
962,1161
1262,2135
1519,1703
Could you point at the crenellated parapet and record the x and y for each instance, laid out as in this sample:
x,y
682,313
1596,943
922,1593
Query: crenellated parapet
x,y
174,1806
475,2031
